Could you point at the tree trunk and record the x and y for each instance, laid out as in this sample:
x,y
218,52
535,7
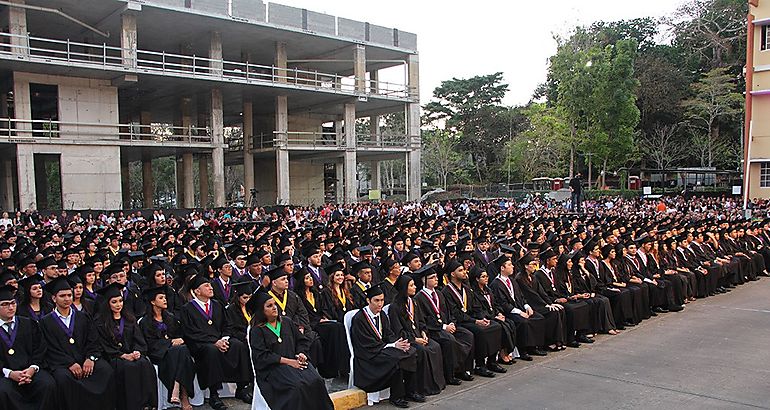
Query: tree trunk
x,y
572,150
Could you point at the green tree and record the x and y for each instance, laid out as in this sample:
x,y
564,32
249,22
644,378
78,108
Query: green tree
x,y
439,156
540,149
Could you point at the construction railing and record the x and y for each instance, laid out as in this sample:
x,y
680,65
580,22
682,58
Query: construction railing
x,y
103,56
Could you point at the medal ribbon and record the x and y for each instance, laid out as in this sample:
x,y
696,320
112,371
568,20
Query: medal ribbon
x,y
205,314
410,308
463,298
67,330
377,329
341,296
118,331
7,337
276,330
281,304
161,327
433,305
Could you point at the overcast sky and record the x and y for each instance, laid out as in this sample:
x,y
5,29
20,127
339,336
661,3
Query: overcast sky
x,y
462,39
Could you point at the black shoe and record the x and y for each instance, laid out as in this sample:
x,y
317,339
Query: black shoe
x,y
217,404
483,372
496,368
465,376
400,403
454,381
525,357
244,395
653,314
660,310
584,339
675,309
504,363
538,352
574,344
629,323
415,397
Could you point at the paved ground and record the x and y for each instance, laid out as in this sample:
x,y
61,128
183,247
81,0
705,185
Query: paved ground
x,y
713,355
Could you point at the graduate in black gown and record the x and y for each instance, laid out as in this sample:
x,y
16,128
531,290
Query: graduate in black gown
x,y
32,304
576,282
286,379
74,354
381,358
166,348
218,357
237,316
391,270
79,301
484,306
486,333
156,276
124,347
363,273
407,322
535,296
25,385
456,343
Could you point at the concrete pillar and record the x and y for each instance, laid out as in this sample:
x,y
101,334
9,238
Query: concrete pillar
x,y
375,171
188,181
248,157
125,184
413,132
25,169
218,153
203,177
17,27
283,187
7,182
179,175
351,183
359,67
128,38
339,137
280,62
148,189
215,53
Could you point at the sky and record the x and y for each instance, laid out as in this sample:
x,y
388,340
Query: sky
x,y
462,39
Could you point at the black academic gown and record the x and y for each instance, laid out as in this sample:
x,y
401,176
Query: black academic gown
x,y
87,306
483,306
358,291
25,310
212,366
530,331
486,339
457,348
577,282
135,381
94,392
410,326
175,364
376,367
237,322
577,314
295,310
27,349
535,297
282,386
222,292
625,301
336,355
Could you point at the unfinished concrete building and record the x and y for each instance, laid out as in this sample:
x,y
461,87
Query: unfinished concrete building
x,y
91,86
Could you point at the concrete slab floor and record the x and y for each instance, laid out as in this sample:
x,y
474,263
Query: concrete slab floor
x,y
712,355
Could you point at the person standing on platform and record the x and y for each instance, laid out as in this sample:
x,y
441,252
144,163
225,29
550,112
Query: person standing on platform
x,y
576,189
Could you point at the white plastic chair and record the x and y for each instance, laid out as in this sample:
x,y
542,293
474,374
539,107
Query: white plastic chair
x,y
258,402
371,398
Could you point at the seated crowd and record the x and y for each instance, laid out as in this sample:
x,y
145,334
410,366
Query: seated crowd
x,y
94,313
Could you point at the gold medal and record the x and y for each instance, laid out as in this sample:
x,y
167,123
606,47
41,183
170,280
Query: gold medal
x,y
344,309
210,322
283,313
166,336
414,327
72,341
120,344
280,340
11,352
439,320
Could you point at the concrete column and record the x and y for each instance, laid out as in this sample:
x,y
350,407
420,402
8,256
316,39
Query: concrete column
x,y
17,27
359,67
248,157
215,53
283,186
188,182
125,184
413,131
179,175
25,169
128,38
218,153
351,183
374,128
148,189
375,171
281,62
7,182
203,177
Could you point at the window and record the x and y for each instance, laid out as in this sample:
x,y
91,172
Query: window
x,y
763,39
44,100
764,175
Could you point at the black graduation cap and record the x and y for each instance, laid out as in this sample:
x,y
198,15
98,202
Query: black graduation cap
x,y
197,281
547,254
254,258
359,266
219,262
338,266
427,270
110,291
6,275
257,301
375,290
500,260
243,288
149,294
276,273
57,285
7,292
526,259
27,282
74,279
46,262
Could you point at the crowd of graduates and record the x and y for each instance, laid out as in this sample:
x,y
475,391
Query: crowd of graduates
x,y
96,312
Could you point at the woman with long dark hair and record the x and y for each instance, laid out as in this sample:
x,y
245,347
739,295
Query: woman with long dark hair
x,y
333,302
155,275
406,321
571,286
32,304
79,301
238,317
483,305
124,347
286,379
167,350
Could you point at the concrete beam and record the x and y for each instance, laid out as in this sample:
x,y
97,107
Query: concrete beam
x,y
351,182
179,175
148,188
215,53
282,154
359,67
218,154
413,69
248,157
203,177
188,182
128,38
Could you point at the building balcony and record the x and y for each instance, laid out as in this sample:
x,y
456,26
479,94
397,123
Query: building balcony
x,y
126,61
320,141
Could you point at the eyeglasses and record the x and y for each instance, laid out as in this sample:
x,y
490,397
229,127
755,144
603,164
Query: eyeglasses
x,y
7,304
